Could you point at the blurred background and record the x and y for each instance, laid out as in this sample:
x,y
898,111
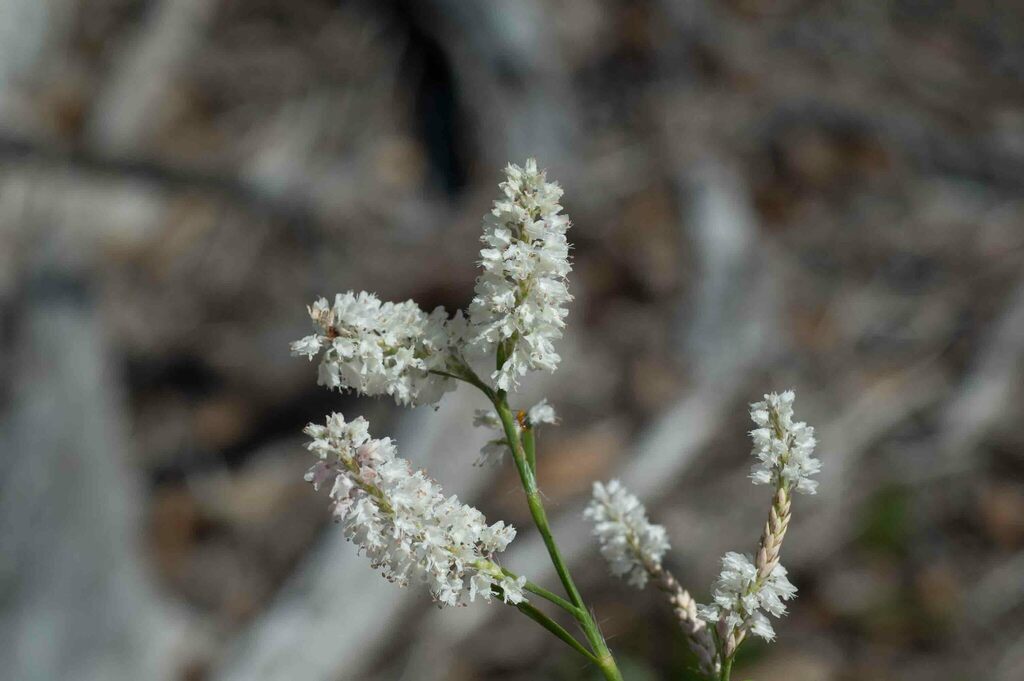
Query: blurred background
x,y
765,194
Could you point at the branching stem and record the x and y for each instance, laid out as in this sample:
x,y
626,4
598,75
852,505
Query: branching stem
x,y
526,466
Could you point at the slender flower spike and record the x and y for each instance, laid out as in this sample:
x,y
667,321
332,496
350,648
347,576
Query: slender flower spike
x,y
377,348
520,305
631,544
751,588
741,599
783,448
402,520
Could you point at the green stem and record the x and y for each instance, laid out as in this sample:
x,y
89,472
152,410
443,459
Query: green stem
x,y
530,446
462,372
533,500
603,656
726,669
556,629
545,594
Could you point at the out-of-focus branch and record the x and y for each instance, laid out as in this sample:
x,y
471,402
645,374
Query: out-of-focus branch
x,y
130,106
79,605
18,153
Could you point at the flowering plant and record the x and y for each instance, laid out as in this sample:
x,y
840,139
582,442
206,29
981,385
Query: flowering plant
x,y
412,532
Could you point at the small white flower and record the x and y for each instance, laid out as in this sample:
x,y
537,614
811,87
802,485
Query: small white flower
x,y
377,348
542,412
628,540
486,418
521,296
493,452
513,589
308,346
761,626
402,520
783,448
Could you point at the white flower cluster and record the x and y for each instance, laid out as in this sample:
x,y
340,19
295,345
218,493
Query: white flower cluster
x,y
629,541
783,448
379,348
739,598
494,450
409,530
521,297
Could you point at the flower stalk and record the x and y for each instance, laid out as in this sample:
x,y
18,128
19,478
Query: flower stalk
x,y
602,655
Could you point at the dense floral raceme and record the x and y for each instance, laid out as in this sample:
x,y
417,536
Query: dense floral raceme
x,y
741,600
409,530
783,448
630,543
377,348
520,305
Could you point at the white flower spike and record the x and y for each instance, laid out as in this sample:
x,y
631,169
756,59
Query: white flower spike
x,y
751,588
377,348
783,448
631,544
741,599
520,305
409,530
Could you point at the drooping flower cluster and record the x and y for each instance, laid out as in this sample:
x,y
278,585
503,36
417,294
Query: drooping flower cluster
x,y
783,448
495,448
379,348
741,599
409,530
631,544
520,305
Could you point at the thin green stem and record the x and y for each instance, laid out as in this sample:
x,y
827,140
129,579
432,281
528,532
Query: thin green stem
x,y
726,669
461,372
533,500
530,447
545,594
603,656
556,629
